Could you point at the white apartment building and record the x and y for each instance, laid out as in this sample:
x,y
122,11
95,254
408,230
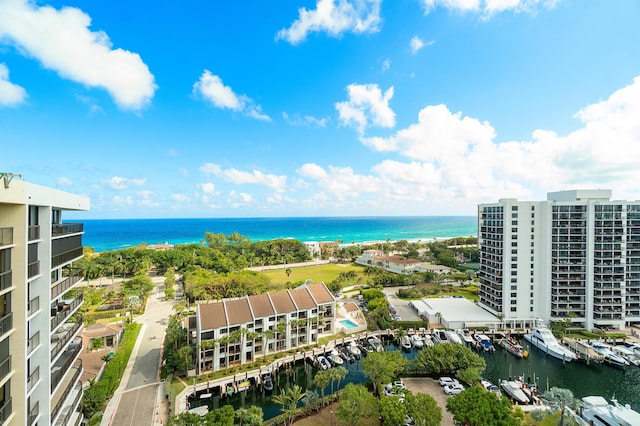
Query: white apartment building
x,y
39,342
238,331
575,255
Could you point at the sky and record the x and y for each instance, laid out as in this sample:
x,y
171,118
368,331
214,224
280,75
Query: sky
x,y
319,108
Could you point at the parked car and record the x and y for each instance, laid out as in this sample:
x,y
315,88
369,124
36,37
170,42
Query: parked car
x,y
392,310
453,389
444,381
396,384
396,317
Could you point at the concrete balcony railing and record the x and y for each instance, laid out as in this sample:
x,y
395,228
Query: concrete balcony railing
x,y
66,229
67,411
62,366
69,385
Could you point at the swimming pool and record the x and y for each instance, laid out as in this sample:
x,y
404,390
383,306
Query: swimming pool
x,y
348,324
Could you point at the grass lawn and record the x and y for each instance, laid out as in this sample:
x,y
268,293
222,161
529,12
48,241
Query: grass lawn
x,y
316,273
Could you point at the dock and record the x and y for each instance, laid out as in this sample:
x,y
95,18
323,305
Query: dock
x,y
583,350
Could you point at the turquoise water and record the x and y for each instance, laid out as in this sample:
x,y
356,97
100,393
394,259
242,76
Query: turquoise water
x,y
113,234
348,324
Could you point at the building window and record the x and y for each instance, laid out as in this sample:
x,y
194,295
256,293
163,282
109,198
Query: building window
x,y
513,309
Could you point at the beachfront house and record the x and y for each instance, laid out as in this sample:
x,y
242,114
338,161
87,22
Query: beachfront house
x,y
237,331
395,264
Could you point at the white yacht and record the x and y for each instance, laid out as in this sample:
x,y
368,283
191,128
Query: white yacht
x,y
598,412
417,341
405,342
627,354
543,339
513,388
610,357
353,348
485,343
453,337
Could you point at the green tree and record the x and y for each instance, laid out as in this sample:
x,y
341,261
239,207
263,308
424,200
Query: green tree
x,y
356,403
185,353
559,399
449,360
424,409
289,399
475,406
312,400
382,367
321,380
251,416
392,410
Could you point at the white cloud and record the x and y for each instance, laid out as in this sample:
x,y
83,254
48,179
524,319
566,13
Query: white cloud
x,y
239,177
417,44
10,94
61,41
147,199
341,182
208,188
64,181
307,120
457,157
181,198
211,88
488,7
367,104
334,17
121,183
242,197
386,64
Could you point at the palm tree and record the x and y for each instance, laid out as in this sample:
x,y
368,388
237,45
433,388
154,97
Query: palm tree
x,y
250,416
339,373
321,380
289,399
268,334
185,353
252,336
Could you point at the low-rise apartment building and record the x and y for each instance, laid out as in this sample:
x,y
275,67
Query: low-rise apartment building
x,y
39,342
237,331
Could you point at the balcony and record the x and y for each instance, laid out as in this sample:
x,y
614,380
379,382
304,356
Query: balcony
x,y
33,342
68,411
62,366
65,389
6,324
33,306
5,411
33,269
5,367
67,256
33,379
58,230
33,233
63,336
5,280
62,311
6,236
64,285
34,413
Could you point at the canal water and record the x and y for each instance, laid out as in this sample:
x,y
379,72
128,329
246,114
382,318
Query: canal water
x,y
583,380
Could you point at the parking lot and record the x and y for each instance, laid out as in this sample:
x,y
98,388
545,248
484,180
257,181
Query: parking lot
x,y
406,312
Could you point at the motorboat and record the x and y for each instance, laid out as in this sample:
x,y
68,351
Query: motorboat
x,y
439,336
405,342
466,337
417,341
610,357
627,354
345,354
513,347
452,336
635,347
598,412
484,342
513,388
323,363
334,357
427,340
354,349
490,387
543,339
267,382
376,344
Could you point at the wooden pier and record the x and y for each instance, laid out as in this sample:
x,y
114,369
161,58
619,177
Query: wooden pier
x,y
583,350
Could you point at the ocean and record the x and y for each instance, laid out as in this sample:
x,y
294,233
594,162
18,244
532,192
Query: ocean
x,y
114,234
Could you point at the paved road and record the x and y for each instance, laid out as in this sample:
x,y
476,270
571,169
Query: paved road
x,y
406,312
140,398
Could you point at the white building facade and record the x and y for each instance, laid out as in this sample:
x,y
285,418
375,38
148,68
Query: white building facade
x,y
574,256
39,342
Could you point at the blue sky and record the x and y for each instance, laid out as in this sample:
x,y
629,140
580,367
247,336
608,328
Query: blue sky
x,y
319,108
